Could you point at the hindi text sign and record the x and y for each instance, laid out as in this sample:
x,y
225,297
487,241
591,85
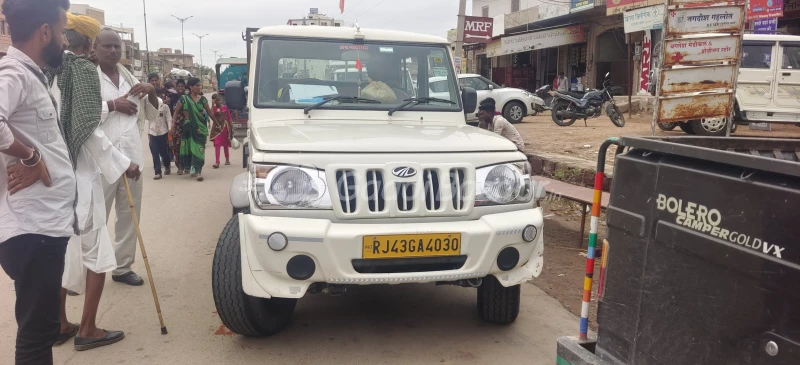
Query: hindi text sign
x,y
690,51
651,17
704,20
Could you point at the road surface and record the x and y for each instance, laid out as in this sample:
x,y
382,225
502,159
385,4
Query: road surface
x,y
405,324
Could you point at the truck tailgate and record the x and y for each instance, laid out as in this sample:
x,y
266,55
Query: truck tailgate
x,y
704,253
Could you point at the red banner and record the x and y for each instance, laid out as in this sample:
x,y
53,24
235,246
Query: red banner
x,y
763,9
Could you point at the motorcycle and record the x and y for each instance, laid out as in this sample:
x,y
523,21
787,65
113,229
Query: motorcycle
x,y
569,106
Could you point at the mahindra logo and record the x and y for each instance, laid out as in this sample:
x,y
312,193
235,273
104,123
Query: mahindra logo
x,y
404,171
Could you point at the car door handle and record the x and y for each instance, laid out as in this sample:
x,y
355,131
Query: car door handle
x,y
787,74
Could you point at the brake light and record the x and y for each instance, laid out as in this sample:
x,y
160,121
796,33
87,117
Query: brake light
x,y
602,282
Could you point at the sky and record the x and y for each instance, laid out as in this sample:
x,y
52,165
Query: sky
x,y
225,20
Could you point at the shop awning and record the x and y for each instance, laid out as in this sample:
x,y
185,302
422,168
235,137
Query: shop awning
x,y
536,40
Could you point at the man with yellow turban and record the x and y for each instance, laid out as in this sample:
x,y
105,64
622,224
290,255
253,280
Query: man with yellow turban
x,y
90,255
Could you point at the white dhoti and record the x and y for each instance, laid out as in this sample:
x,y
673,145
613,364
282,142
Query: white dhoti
x,y
93,249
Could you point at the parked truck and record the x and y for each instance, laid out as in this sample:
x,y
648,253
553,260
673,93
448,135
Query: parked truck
x,y
702,259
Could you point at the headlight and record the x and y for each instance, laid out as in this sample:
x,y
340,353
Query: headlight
x,y
276,187
503,184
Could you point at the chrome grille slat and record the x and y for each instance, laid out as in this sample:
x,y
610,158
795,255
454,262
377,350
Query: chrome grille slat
x,y
432,193
375,197
346,186
457,188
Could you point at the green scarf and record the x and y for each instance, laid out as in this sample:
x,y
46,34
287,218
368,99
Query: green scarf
x,y
81,102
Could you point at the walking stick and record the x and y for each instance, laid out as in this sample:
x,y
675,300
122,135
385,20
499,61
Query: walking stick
x,y
144,255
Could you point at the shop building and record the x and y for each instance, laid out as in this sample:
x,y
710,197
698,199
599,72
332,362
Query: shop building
x,y
585,39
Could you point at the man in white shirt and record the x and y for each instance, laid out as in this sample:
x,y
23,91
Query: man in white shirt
x,y
496,123
36,203
90,255
126,104
563,82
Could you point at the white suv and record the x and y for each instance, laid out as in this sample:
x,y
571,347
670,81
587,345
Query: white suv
x,y
355,183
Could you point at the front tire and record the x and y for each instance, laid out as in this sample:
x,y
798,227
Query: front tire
x,y
239,312
514,111
615,115
496,303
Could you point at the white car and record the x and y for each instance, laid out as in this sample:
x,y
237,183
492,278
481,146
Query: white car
x,y
514,103
348,186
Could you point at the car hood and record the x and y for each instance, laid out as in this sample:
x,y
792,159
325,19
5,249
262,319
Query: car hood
x,y
385,137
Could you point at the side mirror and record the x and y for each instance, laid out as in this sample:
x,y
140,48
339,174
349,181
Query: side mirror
x,y
235,95
469,97
491,87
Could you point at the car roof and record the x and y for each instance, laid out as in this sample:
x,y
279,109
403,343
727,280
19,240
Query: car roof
x,y
771,37
316,31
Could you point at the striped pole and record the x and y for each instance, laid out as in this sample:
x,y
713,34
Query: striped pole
x,y
590,254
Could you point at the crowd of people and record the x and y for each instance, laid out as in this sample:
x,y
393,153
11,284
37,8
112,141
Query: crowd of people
x,y
71,121
185,122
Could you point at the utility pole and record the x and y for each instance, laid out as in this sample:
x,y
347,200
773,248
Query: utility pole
x,y
200,37
146,42
183,20
215,54
462,8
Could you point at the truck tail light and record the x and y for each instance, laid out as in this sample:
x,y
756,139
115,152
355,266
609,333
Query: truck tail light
x,y
601,284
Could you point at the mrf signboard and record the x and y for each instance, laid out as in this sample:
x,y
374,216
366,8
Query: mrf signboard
x,y
477,29
702,40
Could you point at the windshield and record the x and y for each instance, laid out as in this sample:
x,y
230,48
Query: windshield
x,y
294,73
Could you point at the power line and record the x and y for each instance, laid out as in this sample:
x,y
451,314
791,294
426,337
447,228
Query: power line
x,y
368,10
351,9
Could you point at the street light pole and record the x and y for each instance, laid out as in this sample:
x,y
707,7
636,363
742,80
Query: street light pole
x,y
201,53
183,20
462,5
146,42
215,54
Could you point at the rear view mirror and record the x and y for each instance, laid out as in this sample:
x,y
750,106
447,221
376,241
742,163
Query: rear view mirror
x,y
491,87
469,97
235,95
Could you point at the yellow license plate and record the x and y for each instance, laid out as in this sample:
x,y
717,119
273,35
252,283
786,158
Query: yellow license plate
x,y
411,245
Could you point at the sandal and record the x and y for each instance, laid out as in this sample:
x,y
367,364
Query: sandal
x,y
200,178
167,172
227,162
216,166
64,337
157,177
180,172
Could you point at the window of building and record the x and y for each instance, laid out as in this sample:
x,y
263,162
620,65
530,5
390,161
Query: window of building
x,y
485,11
2,27
324,23
514,5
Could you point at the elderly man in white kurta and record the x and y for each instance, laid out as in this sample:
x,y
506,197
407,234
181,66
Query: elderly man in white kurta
x,y
126,104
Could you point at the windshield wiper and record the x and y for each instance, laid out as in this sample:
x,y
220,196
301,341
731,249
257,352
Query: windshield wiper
x,y
341,99
416,101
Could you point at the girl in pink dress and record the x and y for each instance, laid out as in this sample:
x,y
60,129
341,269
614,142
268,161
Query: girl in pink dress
x,y
221,134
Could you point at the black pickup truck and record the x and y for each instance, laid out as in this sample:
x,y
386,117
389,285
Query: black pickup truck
x,y
703,255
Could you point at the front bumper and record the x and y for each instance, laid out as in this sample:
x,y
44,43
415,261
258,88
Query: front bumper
x,y
334,246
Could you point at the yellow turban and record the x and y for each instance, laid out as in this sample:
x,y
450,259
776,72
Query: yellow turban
x,y
84,25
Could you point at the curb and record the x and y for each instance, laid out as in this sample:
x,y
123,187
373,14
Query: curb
x,y
553,169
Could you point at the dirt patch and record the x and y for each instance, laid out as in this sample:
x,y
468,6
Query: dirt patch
x,y
564,260
542,136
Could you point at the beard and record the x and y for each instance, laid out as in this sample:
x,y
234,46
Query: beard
x,y
53,54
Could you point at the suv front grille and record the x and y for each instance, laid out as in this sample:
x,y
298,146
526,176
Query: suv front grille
x,y
368,192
